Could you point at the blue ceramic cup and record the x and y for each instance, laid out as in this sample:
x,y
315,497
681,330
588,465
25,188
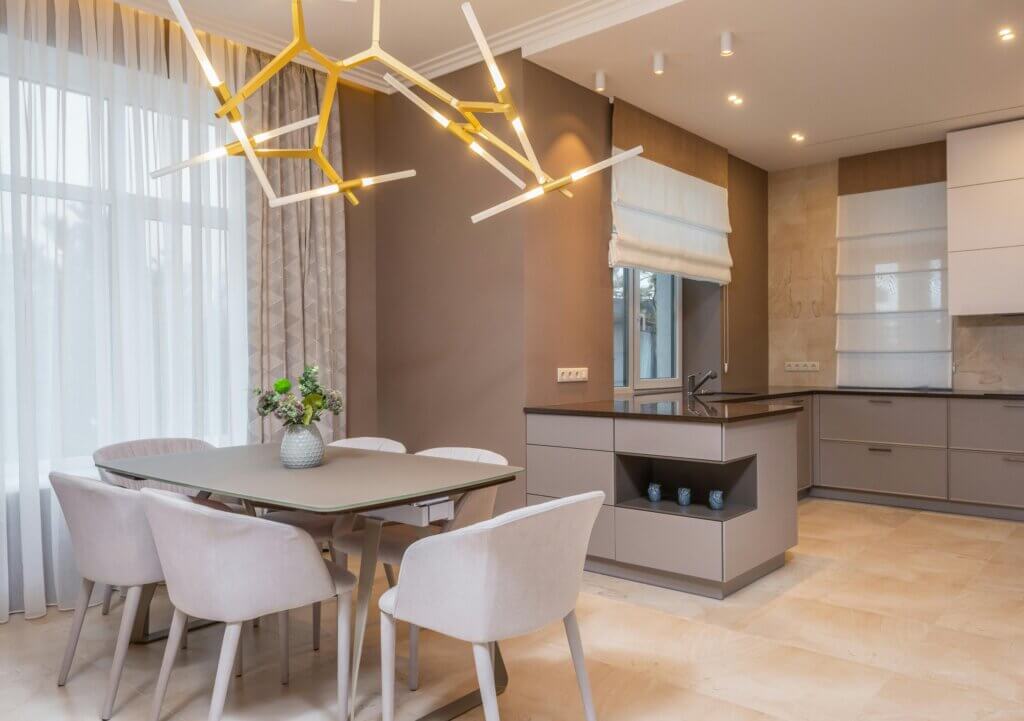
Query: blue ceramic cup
x,y
654,492
716,500
684,496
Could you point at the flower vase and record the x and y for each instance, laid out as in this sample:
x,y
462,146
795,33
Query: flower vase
x,y
302,446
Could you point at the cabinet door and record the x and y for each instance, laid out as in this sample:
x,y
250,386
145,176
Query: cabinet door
x,y
898,470
804,440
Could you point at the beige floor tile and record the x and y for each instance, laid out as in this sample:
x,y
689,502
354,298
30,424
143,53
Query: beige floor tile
x,y
909,699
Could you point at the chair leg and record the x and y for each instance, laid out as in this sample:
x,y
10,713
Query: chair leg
x,y
179,624
414,657
389,573
485,678
238,653
108,594
282,637
184,636
317,610
344,655
572,633
131,607
228,652
84,594
387,667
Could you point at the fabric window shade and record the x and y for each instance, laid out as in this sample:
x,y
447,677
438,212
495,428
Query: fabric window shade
x,y
669,222
892,320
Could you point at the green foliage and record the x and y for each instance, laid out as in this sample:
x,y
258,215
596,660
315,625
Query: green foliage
x,y
286,407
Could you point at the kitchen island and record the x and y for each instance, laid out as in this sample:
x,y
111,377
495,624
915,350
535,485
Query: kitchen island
x,y
746,450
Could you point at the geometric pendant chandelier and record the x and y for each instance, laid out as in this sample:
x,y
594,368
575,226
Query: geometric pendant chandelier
x,y
466,128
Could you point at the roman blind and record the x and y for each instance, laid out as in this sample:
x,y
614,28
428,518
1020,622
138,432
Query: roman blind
x,y
892,320
667,221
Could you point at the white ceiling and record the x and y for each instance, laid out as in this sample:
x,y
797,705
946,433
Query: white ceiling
x,y
852,75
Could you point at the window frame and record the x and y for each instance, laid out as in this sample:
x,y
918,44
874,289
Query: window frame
x,y
636,384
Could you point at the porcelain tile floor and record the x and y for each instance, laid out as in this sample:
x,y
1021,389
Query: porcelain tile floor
x,y
879,613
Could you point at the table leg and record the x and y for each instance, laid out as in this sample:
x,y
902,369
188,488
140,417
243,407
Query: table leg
x,y
367,571
471,700
140,631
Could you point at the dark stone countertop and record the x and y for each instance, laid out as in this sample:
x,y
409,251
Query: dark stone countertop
x,y
664,409
781,392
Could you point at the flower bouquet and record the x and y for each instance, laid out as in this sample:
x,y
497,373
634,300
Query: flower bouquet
x,y
302,446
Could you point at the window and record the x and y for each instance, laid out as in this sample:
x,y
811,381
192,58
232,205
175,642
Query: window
x,y
647,313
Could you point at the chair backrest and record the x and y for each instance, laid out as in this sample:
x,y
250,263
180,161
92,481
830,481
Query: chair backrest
x,y
109,532
231,567
369,443
504,577
477,505
147,447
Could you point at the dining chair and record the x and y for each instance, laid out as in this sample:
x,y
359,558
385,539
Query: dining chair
x,y
112,545
135,449
321,525
232,568
501,578
470,508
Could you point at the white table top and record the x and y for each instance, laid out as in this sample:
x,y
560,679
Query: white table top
x,y
349,480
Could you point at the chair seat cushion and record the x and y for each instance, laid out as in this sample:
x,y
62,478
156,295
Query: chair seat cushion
x,y
318,525
387,601
394,540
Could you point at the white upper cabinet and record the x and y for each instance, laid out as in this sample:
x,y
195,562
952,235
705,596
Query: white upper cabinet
x,y
985,202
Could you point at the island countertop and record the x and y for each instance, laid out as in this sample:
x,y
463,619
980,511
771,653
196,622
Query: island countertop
x,y
696,410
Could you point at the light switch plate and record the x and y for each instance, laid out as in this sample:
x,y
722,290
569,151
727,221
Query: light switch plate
x,y
802,366
573,375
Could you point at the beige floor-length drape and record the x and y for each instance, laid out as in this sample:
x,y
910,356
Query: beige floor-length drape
x,y
296,253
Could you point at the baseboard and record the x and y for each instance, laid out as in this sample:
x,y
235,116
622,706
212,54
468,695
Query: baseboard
x,y
680,582
935,505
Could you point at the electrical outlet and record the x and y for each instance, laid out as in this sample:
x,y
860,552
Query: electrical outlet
x,y
573,375
802,366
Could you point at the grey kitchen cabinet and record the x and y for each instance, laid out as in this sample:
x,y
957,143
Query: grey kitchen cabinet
x,y
879,468
804,441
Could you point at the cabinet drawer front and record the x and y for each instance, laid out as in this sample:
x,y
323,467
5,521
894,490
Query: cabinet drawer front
x,y
559,472
602,538
901,470
570,431
995,479
986,216
986,425
690,546
884,419
672,440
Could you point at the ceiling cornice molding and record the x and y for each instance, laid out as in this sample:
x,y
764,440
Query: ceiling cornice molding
x,y
547,31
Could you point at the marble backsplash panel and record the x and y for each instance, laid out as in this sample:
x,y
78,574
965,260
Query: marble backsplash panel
x,y
988,351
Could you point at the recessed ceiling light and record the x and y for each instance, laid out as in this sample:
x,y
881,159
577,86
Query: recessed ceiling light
x,y
735,99
659,63
726,46
1007,34
798,137
599,81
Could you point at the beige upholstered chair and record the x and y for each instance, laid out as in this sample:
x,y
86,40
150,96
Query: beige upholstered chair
x,y
498,579
112,545
470,508
231,568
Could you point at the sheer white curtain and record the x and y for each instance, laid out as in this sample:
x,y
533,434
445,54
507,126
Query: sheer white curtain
x,y
122,299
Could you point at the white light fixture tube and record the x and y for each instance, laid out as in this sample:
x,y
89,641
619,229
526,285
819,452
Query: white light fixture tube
x,y
517,124
193,40
388,177
305,195
485,50
659,63
497,164
417,100
257,168
538,191
222,151
726,46
599,81
606,163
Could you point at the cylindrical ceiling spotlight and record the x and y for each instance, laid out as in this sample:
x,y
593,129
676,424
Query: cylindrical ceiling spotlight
x,y
726,50
659,63
599,81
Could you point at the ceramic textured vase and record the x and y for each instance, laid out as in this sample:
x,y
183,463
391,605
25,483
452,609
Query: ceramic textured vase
x,y
654,492
302,447
684,496
716,501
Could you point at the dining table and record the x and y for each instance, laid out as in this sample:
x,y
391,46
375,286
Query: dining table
x,y
350,483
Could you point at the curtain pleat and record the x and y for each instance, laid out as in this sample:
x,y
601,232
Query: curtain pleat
x,y
122,298
296,252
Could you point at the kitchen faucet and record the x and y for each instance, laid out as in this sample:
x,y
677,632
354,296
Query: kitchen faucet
x,y
693,385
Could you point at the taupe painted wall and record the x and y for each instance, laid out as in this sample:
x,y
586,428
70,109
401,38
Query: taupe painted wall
x,y
449,293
